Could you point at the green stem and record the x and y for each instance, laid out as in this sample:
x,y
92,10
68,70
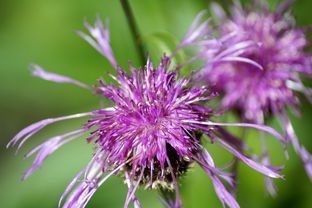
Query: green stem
x,y
168,196
236,163
134,30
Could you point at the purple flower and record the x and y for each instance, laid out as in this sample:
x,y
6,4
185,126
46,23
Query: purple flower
x,y
258,65
149,135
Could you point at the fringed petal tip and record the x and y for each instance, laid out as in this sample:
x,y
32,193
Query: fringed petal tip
x,y
197,34
242,60
284,6
270,186
218,12
298,86
208,166
231,52
224,195
48,147
99,39
262,128
131,191
89,180
266,170
129,182
305,156
30,130
37,71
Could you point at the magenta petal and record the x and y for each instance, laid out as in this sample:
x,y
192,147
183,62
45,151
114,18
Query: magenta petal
x,y
218,12
178,201
269,183
223,194
197,33
101,40
305,156
247,125
243,60
48,147
284,6
236,49
268,171
93,179
87,186
131,192
193,26
39,72
34,128
136,202
210,166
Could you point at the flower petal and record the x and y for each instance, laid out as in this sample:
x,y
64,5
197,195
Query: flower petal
x,y
306,157
269,171
39,72
48,147
100,41
34,128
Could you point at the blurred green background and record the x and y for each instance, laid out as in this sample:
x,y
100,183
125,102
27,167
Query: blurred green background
x,y
43,32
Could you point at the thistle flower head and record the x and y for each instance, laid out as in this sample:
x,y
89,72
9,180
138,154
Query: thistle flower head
x,y
149,135
260,60
258,65
148,120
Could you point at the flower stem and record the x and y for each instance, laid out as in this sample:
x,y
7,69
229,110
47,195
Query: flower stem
x,y
134,30
236,164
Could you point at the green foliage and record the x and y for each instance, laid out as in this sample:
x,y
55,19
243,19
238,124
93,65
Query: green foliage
x,y
43,32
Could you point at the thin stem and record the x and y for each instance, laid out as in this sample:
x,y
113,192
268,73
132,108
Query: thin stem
x,y
236,164
168,197
134,30
224,1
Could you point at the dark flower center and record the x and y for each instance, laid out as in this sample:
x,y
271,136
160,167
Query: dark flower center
x,y
160,178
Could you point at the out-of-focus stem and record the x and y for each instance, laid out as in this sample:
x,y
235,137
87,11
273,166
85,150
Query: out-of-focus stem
x,y
236,164
134,30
